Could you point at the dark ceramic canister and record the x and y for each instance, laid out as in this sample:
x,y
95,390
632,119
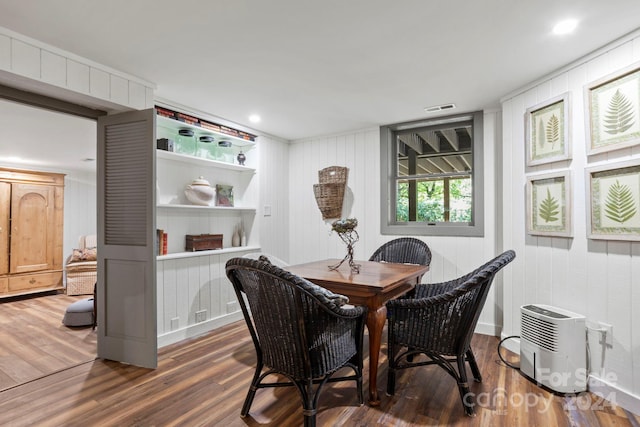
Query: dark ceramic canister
x,y
241,158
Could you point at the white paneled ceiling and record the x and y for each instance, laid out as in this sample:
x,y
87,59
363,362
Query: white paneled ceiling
x,y
315,68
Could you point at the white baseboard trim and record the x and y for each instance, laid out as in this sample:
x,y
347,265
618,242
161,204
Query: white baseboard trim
x,y
487,329
512,344
198,329
613,395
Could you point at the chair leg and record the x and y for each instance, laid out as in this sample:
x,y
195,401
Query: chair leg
x,y
391,381
391,371
252,391
359,389
310,420
356,365
309,399
463,387
471,358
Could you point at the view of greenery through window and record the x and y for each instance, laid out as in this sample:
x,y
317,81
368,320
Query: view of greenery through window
x,y
434,173
431,200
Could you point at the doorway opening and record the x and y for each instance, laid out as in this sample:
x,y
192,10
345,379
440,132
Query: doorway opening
x,y
47,135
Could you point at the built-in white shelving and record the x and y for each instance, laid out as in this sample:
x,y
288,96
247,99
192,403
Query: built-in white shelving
x,y
213,208
185,158
179,255
174,125
194,294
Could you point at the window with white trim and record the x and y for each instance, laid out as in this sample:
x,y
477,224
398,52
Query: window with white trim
x,y
432,177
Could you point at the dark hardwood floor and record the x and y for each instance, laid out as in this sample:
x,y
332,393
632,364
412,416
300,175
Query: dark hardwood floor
x,y
203,382
35,343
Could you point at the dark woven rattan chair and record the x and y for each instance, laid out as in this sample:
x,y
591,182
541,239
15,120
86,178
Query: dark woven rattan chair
x,y
438,321
300,330
406,250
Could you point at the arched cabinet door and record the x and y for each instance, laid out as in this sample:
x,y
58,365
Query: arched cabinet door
x,y
32,228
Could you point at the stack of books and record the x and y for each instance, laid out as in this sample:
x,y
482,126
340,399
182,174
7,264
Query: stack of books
x,y
161,242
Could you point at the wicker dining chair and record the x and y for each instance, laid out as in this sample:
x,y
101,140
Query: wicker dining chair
x,y
299,330
438,321
407,250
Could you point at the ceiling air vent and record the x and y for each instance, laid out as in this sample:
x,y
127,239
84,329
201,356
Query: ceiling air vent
x,y
442,107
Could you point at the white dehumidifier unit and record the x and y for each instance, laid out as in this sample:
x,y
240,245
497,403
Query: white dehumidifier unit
x,y
553,348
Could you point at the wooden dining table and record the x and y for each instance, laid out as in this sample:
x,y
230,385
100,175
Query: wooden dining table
x,y
373,286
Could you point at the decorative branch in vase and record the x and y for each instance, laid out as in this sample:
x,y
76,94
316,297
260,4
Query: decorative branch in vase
x,y
346,229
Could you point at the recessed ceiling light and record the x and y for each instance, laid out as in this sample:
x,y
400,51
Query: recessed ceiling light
x,y
565,27
254,118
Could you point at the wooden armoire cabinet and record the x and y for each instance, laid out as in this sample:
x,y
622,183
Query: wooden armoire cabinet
x,y
31,220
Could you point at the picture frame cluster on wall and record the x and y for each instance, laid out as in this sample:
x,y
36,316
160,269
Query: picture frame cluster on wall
x,y
612,118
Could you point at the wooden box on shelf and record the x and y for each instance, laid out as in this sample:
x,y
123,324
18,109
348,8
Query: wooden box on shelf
x,y
203,242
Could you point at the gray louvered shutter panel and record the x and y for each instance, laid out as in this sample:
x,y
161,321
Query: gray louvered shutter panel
x,y
126,198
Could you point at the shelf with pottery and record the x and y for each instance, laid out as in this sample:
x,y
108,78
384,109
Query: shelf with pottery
x,y
200,210
195,144
186,158
174,126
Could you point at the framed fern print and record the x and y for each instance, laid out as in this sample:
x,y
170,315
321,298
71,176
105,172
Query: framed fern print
x,y
549,204
547,131
614,111
614,194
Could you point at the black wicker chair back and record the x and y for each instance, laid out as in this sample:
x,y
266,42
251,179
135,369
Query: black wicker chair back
x,y
299,330
438,321
407,250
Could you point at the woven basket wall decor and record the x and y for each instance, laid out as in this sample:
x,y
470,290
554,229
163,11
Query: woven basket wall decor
x,y
329,192
333,175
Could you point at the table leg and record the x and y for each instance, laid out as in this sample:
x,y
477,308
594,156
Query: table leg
x,y
376,319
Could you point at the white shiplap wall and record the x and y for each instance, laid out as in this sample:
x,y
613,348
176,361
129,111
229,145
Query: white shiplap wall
x,y
187,286
273,178
310,237
79,209
600,279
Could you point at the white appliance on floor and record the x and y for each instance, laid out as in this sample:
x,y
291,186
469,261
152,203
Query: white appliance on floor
x,y
553,348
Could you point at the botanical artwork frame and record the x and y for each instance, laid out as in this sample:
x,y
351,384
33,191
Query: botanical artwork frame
x,y
224,195
613,193
549,204
613,111
548,131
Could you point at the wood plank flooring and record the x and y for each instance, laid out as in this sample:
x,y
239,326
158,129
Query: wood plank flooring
x,y
35,343
203,382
